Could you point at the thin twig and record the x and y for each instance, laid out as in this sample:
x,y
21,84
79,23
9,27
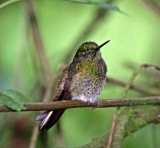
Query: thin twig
x,y
108,142
7,3
135,87
34,137
38,42
136,72
128,123
152,6
118,102
43,60
113,131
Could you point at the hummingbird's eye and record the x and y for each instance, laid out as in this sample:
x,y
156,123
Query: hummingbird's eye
x,y
85,52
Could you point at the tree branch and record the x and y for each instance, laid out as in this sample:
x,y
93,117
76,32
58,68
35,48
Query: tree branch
x,y
119,102
128,122
114,132
152,6
135,87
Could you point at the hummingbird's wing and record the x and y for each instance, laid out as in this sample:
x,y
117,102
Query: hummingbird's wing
x,y
48,119
61,85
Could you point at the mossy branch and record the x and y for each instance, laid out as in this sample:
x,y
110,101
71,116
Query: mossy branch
x,y
128,122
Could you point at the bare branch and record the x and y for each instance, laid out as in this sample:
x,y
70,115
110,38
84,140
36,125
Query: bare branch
x,y
40,50
43,60
135,87
118,102
152,6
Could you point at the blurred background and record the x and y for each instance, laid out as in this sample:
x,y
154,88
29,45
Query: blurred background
x,y
39,38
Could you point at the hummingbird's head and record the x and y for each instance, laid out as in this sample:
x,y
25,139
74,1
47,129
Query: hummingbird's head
x,y
88,49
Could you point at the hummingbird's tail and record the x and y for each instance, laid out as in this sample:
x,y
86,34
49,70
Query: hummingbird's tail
x,y
49,119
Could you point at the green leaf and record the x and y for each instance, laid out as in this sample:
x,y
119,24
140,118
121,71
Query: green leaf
x,y
3,5
13,100
99,3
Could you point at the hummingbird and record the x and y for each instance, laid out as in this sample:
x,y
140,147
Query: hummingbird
x,y
82,80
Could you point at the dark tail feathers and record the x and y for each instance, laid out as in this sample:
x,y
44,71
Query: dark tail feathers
x,y
49,119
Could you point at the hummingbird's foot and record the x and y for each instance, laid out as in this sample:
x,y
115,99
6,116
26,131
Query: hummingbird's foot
x,y
89,103
96,103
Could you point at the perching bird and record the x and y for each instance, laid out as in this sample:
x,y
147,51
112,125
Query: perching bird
x,y
82,80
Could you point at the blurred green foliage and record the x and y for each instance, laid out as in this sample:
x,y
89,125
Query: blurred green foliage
x,y
134,40
12,100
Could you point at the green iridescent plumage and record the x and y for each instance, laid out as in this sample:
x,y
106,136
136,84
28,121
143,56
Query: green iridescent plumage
x,y
87,59
82,80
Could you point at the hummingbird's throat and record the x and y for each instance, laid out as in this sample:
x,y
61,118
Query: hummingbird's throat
x,y
87,67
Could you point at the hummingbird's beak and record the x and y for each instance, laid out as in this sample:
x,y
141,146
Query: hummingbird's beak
x,y
102,45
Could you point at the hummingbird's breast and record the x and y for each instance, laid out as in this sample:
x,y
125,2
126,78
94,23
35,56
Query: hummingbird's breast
x,y
87,87
87,90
